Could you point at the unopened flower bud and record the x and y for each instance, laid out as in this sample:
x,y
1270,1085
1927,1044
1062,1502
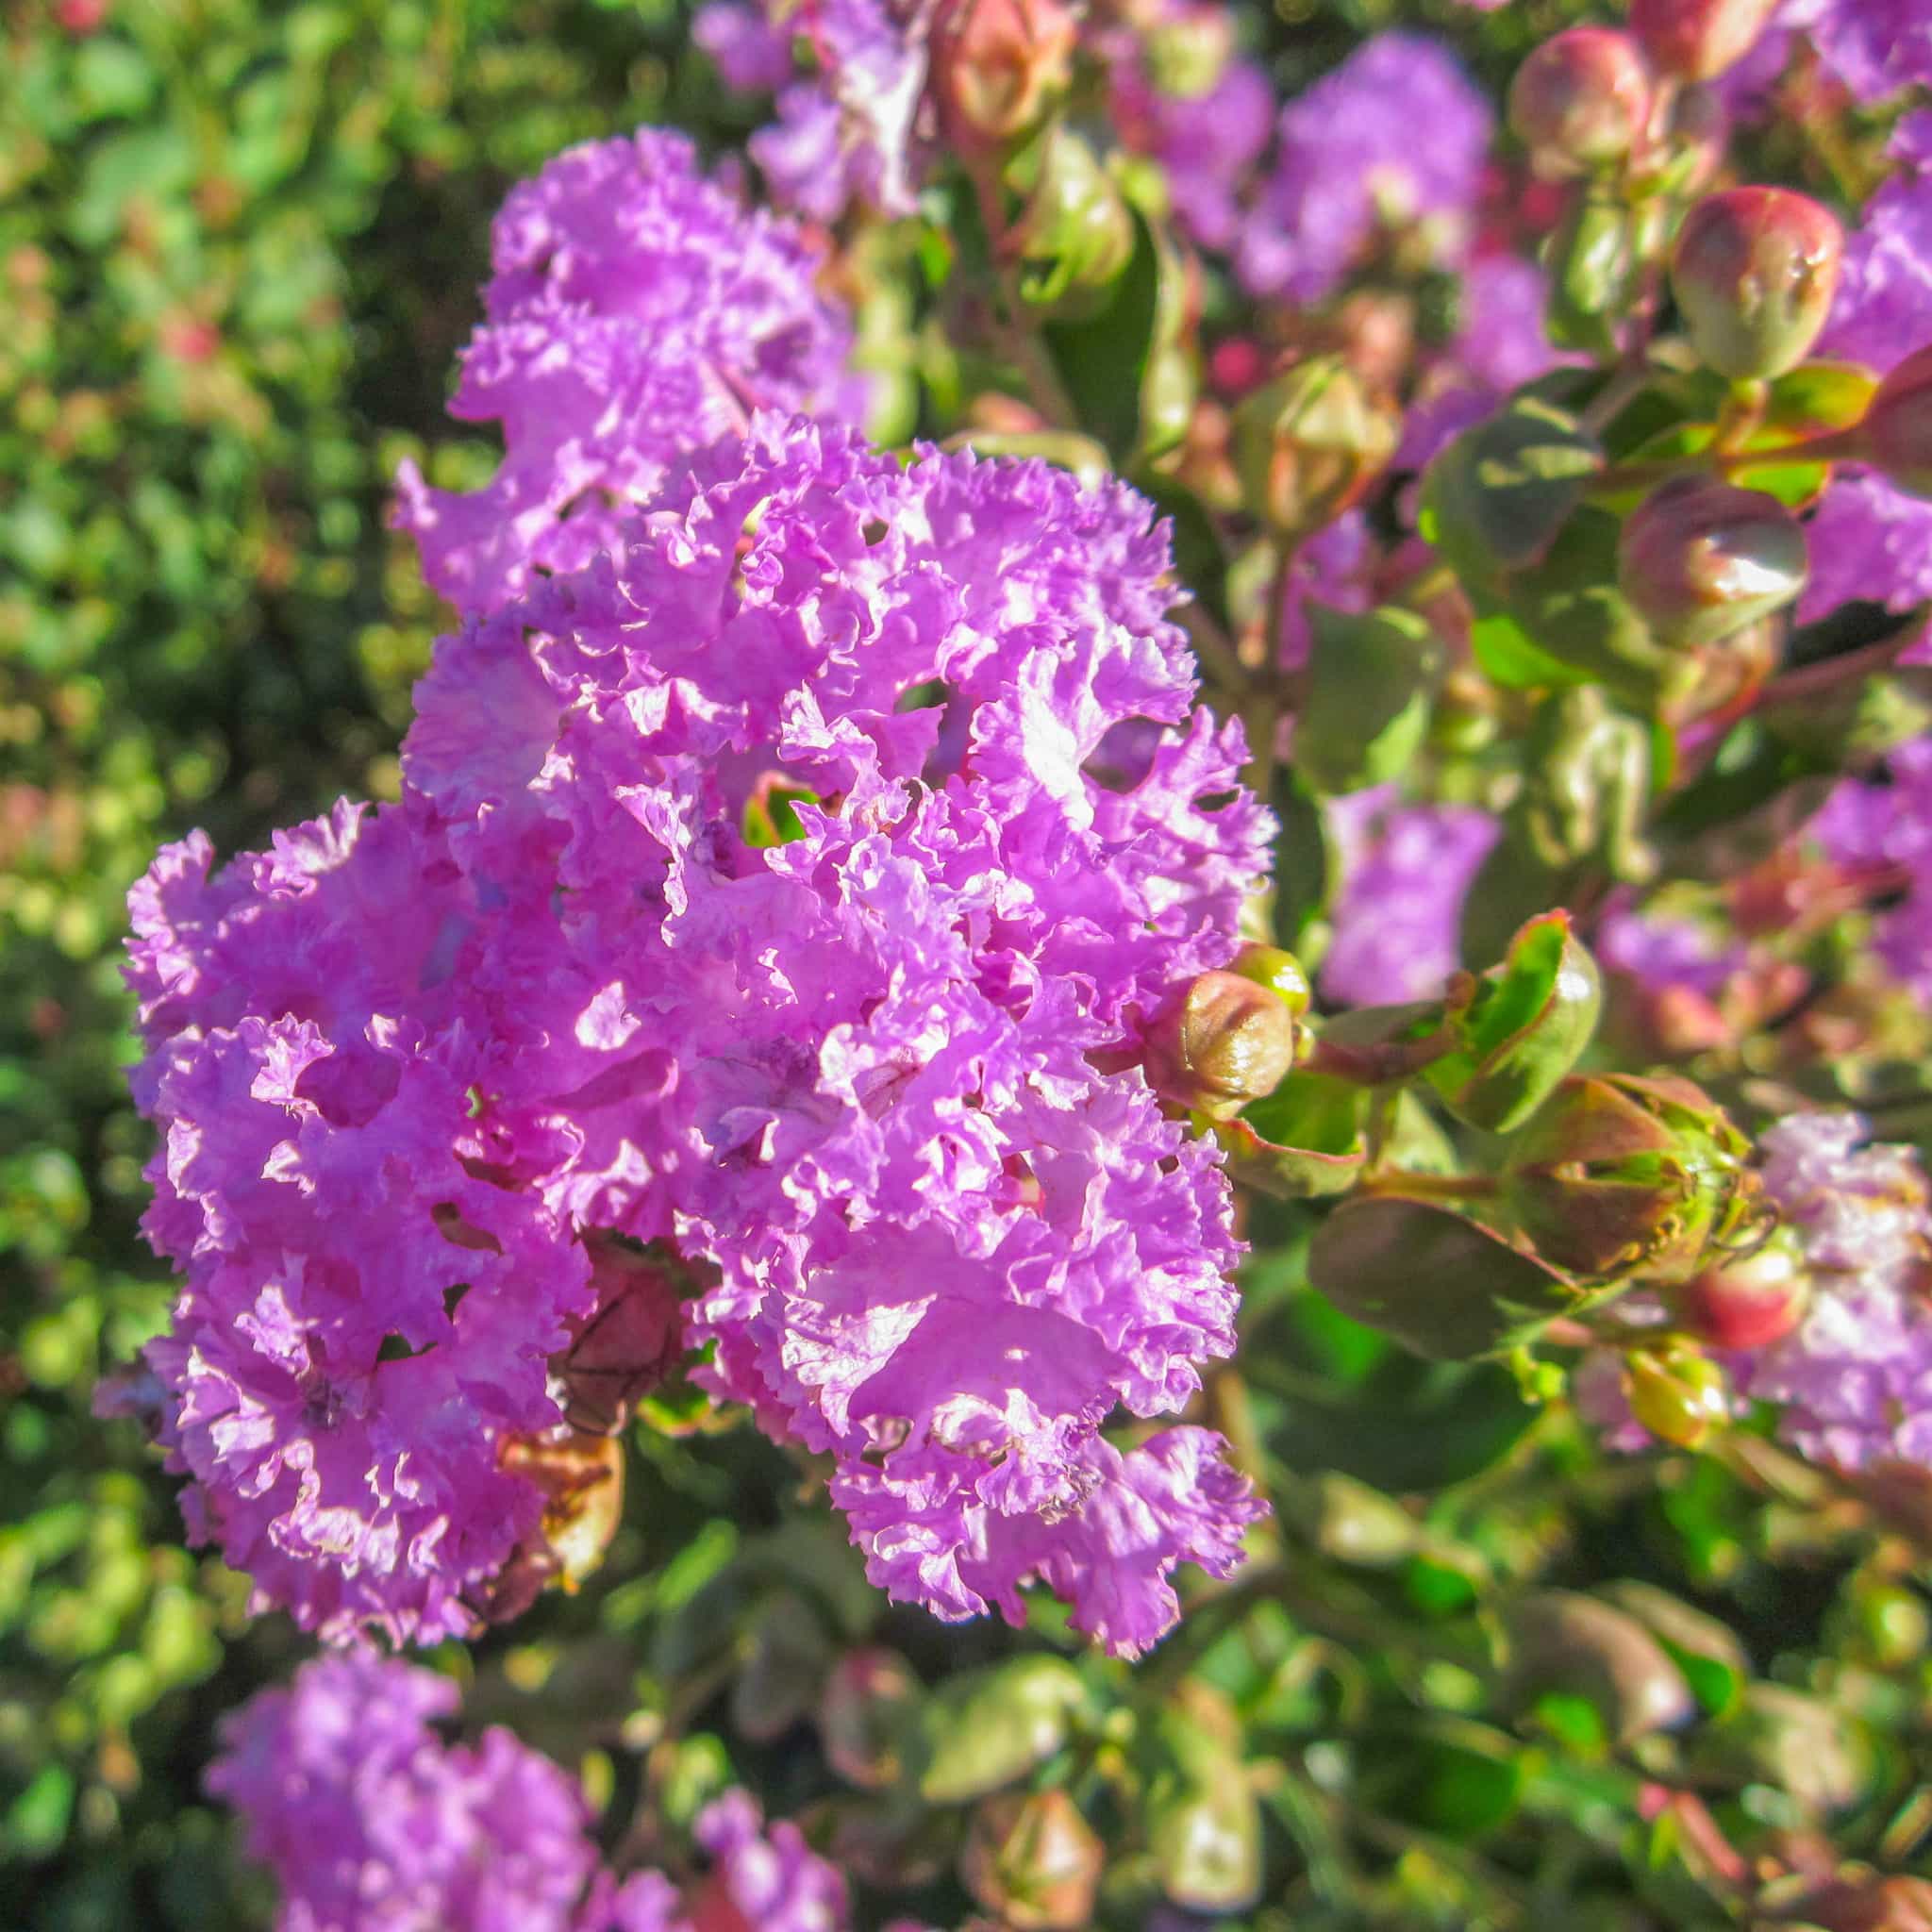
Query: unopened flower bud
x,y
999,64
1225,1041
1562,1641
867,1711
1697,40
1034,1861
1701,558
1750,1302
1075,235
1753,272
1861,1901
1308,442
1621,1174
1898,426
1676,1393
1580,100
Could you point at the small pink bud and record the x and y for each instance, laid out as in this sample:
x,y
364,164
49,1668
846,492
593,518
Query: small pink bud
x,y
1898,425
1701,560
1695,40
1747,1303
999,63
1753,272
1035,1860
1580,101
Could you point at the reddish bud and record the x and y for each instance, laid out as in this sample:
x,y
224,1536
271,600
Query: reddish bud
x,y
998,64
1863,1902
1701,558
1694,39
1746,1303
1309,442
1225,1041
1753,272
1898,425
867,1709
1580,101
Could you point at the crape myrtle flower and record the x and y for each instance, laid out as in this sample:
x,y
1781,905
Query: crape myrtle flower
x,y
1395,137
1876,47
773,889
369,1822
1406,870
637,310
847,128
1853,1381
1868,539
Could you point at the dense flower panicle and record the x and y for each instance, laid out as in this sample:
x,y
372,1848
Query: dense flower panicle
x,y
1396,136
637,312
370,1823
1662,951
568,985
849,131
1855,1379
1406,870
1868,543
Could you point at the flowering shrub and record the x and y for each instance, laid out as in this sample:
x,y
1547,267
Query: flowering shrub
x,y
1162,868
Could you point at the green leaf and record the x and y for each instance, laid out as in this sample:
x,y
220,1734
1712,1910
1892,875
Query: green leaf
x,y
1524,1030
985,1729
1510,656
1452,1777
1372,679
1102,362
1439,1282
1304,1139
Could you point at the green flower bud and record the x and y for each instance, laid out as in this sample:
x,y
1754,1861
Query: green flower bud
x,y
1348,1520
1898,425
1677,1392
1753,272
868,1712
1033,1860
999,65
1593,258
1564,1642
1203,1819
985,1729
1075,235
1620,1175
1748,1301
1697,40
1700,559
1225,1042
1309,443
1580,101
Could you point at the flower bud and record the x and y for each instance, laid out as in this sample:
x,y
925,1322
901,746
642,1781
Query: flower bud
x,y
1676,1393
1562,1641
985,1729
1749,1301
1279,972
1619,1174
1580,100
866,1713
1898,426
1753,272
998,65
1697,40
1797,1742
1308,442
1700,559
1033,1860
1075,235
1203,1818
1860,1902
1225,1041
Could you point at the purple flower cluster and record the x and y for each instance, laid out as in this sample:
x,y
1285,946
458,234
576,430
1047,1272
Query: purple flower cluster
x,y
1406,870
637,312
1876,47
1854,1378
370,1823
1881,832
846,131
1396,136
766,890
